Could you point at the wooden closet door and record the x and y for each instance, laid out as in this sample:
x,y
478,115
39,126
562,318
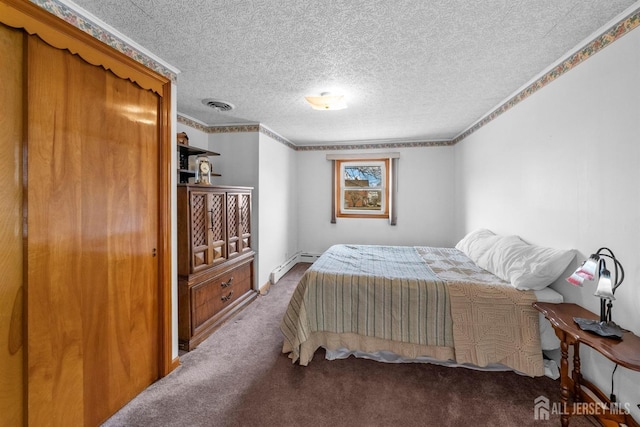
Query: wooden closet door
x,y
11,290
92,232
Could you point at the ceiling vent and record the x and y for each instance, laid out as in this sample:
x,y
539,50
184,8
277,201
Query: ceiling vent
x,y
218,105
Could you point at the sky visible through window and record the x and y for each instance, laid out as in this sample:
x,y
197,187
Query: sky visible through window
x,y
372,174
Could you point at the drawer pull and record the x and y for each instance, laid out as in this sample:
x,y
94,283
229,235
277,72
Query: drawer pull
x,y
226,298
227,283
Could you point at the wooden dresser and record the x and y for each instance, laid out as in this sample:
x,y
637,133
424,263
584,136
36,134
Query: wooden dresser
x,y
215,259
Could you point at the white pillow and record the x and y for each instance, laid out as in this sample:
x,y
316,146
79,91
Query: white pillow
x,y
542,266
475,243
508,257
501,257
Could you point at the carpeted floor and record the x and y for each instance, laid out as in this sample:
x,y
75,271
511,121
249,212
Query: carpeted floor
x,y
238,377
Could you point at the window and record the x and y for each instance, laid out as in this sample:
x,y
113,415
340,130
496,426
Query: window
x,y
362,188
364,185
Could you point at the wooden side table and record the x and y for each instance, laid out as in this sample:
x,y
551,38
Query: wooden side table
x,y
575,388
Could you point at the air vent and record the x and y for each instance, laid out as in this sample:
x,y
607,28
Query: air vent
x,y
218,105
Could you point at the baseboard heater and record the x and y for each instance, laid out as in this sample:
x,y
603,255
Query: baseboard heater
x,y
282,269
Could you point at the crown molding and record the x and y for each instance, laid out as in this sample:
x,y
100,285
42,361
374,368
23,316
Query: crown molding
x,y
84,21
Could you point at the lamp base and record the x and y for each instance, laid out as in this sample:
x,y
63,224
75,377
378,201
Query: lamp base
x,y
604,329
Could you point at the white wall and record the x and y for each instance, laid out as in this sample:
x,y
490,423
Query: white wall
x,y
197,138
238,165
278,218
425,202
238,160
562,169
256,160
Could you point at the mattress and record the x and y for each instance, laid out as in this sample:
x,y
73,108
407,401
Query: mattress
x,y
403,299
548,338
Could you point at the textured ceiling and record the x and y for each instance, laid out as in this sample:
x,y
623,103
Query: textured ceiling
x,y
411,70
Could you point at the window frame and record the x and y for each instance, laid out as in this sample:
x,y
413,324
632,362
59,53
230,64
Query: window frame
x,y
340,164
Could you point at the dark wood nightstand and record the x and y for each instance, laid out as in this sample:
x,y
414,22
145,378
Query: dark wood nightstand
x,y
575,389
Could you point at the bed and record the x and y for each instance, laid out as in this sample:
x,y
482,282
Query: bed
x,y
469,305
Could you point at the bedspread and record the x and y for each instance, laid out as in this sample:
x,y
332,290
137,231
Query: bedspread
x,y
382,292
390,298
492,321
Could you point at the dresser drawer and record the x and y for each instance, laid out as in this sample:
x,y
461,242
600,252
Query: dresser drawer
x,y
214,295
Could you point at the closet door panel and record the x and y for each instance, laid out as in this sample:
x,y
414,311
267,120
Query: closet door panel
x,y
92,274
11,291
133,228
54,247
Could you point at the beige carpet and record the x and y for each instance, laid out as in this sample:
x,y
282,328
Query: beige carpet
x,y
238,377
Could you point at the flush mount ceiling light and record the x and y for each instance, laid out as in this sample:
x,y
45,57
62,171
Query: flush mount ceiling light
x,y
326,101
216,104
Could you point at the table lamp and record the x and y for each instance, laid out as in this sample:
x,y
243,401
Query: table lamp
x,y
593,267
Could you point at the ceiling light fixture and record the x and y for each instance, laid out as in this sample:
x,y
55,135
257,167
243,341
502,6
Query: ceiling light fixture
x,y
327,101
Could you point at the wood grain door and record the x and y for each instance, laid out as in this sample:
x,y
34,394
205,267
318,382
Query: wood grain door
x,y
92,233
11,290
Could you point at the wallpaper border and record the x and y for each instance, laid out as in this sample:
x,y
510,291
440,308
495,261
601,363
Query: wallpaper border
x,y
591,48
83,23
281,139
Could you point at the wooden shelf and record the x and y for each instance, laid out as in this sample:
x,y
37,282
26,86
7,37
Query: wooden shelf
x,y
184,151
185,174
194,151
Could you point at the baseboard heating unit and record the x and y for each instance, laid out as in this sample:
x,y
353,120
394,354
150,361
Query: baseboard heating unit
x,y
282,269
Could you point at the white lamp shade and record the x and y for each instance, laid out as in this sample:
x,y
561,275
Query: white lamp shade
x,y
589,268
605,287
575,279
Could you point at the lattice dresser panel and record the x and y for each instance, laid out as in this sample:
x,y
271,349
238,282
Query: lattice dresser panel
x,y
199,219
245,220
218,227
232,224
232,216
